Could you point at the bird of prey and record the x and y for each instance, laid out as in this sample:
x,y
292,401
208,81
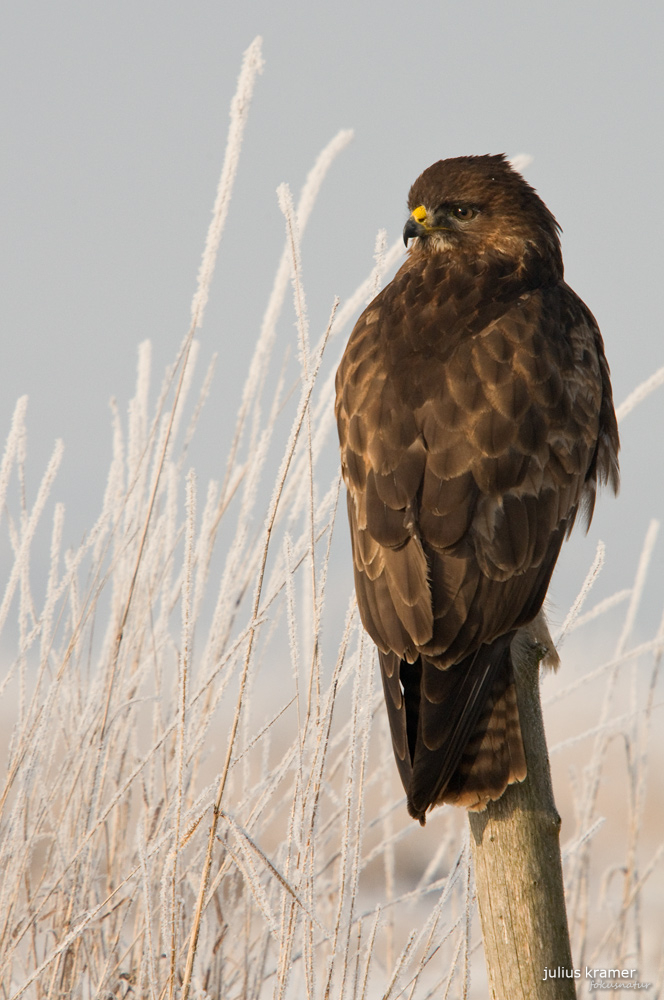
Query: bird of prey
x,y
475,421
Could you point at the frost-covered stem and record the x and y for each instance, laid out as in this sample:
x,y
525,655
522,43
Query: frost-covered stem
x,y
641,392
182,699
588,583
578,877
145,878
252,65
269,526
293,235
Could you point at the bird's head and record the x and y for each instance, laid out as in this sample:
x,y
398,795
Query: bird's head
x,y
480,205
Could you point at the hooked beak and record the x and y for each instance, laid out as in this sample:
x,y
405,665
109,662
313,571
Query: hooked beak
x,y
412,229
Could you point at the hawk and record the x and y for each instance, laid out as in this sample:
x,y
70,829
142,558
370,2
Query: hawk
x,y
475,419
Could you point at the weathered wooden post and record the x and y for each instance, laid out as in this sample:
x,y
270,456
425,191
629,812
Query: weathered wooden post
x,y
516,851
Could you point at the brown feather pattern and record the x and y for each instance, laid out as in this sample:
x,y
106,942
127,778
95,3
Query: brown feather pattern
x,y
475,419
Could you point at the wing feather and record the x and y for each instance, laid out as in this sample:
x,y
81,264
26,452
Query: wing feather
x,y
470,437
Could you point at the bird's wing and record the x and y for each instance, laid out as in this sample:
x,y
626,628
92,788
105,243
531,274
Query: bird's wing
x,y
510,439
463,474
465,467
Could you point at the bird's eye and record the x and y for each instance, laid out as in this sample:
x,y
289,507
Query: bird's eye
x,y
464,212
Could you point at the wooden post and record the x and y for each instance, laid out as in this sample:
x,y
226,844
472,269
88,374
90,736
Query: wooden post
x,y
516,851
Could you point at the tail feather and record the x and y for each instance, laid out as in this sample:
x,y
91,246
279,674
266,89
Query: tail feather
x,y
494,756
455,732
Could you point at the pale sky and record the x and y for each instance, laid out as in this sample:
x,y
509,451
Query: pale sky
x,y
114,125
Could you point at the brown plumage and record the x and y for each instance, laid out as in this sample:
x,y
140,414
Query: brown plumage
x,y
475,420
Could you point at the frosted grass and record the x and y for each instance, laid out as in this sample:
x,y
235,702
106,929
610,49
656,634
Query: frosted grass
x,y
199,796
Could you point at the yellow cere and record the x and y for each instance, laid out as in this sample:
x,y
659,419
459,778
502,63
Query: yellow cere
x,y
419,213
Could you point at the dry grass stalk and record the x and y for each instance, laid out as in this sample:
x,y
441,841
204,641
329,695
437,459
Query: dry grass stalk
x,y
165,825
